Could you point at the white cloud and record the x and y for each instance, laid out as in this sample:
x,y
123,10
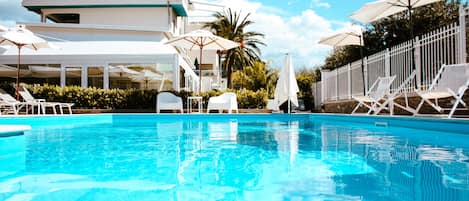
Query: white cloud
x,y
320,4
297,34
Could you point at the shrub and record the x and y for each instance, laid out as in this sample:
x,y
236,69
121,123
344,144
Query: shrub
x,y
90,98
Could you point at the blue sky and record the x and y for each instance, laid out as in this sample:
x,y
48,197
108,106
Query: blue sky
x,y
290,26
330,9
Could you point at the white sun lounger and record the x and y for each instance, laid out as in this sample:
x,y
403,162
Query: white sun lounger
x,y
451,81
390,102
226,101
377,92
168,101
44,104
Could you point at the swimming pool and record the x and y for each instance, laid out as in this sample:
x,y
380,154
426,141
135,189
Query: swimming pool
x,y
235,157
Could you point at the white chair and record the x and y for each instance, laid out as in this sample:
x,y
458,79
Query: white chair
x,y
377,92
168,101
390,99
27,97
226,101
451,81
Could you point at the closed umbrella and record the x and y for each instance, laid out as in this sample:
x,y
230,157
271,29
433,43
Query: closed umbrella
x,y
22,37
377,10
287,87
344,39
202,39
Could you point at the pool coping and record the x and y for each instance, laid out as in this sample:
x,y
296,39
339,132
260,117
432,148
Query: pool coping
x,y
460,126
425,123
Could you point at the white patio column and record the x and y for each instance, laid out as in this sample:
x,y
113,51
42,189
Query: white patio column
x,y
186,80
176,81
84,76
63,75
106,76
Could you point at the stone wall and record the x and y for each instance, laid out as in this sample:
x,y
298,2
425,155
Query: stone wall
x,y
348,106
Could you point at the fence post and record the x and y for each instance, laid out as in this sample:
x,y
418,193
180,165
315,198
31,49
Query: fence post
x,y
365,74
387,63
462,34
336,84
323,79
349,77
324,74
417,62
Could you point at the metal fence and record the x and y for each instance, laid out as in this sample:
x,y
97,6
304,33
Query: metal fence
x,y
446,45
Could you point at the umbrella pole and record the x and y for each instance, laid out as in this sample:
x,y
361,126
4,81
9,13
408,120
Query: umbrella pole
x,y
200,69
363,66
288,83
18,74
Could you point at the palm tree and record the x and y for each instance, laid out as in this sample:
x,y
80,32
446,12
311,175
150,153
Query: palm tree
x,y
230,25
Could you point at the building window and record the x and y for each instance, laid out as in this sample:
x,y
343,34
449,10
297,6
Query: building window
x,y
72,18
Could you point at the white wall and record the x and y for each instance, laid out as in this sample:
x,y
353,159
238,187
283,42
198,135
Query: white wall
x,y
143,17
89,34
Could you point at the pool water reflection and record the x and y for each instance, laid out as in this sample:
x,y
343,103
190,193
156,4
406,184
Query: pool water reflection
x,y
234,159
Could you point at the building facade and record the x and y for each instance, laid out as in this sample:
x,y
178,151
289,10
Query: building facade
x,y
108,44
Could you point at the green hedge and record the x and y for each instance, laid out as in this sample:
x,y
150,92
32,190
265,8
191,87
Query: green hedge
x,y
90,98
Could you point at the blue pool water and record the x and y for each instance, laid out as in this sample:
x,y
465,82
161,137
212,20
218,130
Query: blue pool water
x,y
233,157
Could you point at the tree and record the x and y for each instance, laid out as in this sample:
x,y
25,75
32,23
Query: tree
x,y
232,26
395,29
305,77
256,77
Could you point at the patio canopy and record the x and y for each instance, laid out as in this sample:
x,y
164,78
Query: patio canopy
x,y
98,53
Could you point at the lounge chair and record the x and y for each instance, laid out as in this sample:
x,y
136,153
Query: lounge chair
x,y
377,92
168,101
27,97
226,101
451,81
8,104
390,99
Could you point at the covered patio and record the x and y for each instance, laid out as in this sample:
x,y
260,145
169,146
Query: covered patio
x,y
97,64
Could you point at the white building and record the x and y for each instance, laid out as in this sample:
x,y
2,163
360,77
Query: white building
x,y
97,38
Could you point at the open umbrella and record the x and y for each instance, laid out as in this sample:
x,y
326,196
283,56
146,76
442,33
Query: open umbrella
x,y
22,37
147,76
203,40
287,87
377,10
344,39
121,70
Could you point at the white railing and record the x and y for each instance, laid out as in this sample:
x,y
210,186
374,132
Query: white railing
x,y
446,45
